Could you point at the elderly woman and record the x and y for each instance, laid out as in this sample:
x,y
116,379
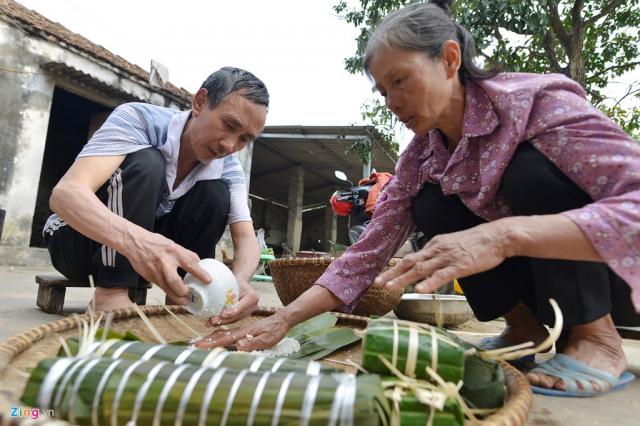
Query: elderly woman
x,y
525,191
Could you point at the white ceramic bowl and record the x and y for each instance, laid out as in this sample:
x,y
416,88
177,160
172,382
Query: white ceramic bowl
x,y
208,300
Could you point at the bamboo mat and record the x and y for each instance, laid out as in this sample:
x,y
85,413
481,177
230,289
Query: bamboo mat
x,y
23,351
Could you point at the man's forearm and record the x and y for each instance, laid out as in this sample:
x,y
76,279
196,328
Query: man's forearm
x,y
85,213
245,258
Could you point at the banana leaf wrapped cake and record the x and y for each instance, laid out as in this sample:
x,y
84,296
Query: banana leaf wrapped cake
x,y
135,350
106,391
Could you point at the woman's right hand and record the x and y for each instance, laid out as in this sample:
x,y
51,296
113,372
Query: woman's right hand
x,y
257,335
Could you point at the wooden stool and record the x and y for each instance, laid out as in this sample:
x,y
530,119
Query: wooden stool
x,y
52,288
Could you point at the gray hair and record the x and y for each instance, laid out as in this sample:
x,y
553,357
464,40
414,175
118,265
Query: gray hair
x,y
424,27
227,80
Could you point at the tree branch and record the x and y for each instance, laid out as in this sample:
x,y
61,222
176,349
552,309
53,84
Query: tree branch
x,y
551,54
576,14
605,11
611,68
630,92
556,25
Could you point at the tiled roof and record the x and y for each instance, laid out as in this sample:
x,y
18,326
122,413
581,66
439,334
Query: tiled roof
x,y
36,24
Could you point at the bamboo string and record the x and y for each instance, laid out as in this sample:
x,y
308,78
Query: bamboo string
x,y
142,393
434,350
514,352
394,352
76,387
65,380
337,398
51,379
256,398
232,396
171,381
115,405
309,400
280,400
121,349
149,325
196,335
412,352
186,395
208,394
98,395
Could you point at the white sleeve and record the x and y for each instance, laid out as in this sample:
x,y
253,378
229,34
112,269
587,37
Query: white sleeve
x,y
233,175
121,134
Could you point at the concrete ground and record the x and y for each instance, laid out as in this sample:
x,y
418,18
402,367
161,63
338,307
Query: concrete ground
x,y
19,312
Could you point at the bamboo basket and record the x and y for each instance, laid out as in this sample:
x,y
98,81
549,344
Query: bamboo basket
x,y
293,276
23,351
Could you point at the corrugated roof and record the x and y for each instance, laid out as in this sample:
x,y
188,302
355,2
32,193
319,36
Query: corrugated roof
x,y
36,24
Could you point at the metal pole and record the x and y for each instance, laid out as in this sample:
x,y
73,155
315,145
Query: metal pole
x,y
366,167
2,214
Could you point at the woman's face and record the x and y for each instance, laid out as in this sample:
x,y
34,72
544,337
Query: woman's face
x,y
416,88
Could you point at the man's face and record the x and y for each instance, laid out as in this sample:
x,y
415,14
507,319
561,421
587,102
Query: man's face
x,y
229,127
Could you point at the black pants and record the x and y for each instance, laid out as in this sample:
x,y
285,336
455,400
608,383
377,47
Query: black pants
x,y
585,291
196,221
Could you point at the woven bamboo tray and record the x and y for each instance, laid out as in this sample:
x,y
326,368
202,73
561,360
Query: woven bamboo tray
x,y
293,276
23,351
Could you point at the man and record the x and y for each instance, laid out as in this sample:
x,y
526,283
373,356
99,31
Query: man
x,y
153,190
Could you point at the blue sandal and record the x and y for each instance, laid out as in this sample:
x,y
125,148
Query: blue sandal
x,y
574,373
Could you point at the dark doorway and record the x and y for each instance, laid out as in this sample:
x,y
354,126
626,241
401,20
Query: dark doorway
x,y
71,122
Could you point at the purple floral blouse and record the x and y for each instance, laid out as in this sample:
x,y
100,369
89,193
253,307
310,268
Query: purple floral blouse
x,y
550,111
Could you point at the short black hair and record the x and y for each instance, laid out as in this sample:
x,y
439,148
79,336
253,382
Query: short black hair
x,y
227,80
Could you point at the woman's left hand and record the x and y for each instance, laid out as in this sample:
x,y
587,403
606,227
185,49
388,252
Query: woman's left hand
x,y
449,256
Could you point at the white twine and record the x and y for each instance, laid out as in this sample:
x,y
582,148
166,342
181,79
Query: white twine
x,y
309,400
182,358
412,353
51,379
118,352
151,352
434,350
63,383
142,392
103,347
337,399
277,365
255,365
313,369
76,387
212,356
394,353
100,389
281,397
208,394
115,405
186,395
256,398
348,402
171,381
232,396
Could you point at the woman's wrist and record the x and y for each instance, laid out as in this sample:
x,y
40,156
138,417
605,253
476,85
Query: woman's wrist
x,y
512,234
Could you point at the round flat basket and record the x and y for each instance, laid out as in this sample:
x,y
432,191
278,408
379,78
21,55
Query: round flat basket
x,y
293,276
22,352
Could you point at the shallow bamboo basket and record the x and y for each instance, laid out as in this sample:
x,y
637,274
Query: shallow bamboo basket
x,y
293,276
23,351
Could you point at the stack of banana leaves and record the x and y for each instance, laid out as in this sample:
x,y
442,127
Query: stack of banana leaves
x,y
430,376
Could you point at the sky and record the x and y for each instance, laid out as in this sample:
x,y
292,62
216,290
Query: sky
x,y
297,47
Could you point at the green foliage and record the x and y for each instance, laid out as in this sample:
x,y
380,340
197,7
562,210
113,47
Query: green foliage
x,y
591,41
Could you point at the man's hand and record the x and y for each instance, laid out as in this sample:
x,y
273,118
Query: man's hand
x,y
157,258
257,335
246,305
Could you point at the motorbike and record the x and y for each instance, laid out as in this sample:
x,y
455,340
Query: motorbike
x,y
358,203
